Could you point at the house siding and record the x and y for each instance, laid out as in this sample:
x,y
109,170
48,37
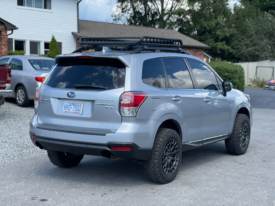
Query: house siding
x,y
40,24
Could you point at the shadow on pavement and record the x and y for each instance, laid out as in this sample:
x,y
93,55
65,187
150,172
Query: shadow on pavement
x,y
124,173
12,101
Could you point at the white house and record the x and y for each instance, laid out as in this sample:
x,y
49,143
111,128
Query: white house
x,y
37,21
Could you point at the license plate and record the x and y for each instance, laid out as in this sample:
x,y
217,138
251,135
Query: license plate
x,y
73,108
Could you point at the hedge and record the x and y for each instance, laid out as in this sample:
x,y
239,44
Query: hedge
x,y
231,73
16,52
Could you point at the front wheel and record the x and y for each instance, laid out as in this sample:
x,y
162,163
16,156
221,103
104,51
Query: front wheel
x,y
238,143
164,164
64,160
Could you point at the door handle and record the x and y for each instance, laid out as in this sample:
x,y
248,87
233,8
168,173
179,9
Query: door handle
x,y
176,98
207,100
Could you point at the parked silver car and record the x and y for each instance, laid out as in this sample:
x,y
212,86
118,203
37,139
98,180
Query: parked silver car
x,y
146,100
28,72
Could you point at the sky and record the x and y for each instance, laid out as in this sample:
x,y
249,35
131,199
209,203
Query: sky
x,y
101,10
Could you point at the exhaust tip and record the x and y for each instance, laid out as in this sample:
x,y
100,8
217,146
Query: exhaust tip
x,y
39,145
108,154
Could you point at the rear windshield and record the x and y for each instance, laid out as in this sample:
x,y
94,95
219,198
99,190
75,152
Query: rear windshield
x,y
95,73
42,64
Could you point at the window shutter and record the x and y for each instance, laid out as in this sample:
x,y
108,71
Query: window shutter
x,y
60,47
10,44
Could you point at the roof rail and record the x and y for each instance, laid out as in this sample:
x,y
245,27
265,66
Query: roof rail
x,y
133,44
131,41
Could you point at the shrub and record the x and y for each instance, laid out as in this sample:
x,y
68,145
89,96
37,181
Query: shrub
x,y
258,82
54,49
230,72
16,52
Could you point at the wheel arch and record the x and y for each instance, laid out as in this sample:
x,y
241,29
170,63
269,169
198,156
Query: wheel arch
x,y
170,122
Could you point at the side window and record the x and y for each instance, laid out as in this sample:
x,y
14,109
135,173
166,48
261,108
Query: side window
x,y
205,77
178,74
4,61
153,73
16,64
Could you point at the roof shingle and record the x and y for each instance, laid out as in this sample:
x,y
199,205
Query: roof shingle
x,y
102,29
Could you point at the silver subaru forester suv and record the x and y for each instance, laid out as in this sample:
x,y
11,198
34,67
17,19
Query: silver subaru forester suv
x,y
144,99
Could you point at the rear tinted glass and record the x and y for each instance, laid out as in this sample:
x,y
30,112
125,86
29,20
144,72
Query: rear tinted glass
x,y
153,73
42,64
96,72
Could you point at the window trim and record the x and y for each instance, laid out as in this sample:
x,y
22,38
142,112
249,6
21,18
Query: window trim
x,y
21,62
166,76
27,7
25,45
44,47
215,73
39,50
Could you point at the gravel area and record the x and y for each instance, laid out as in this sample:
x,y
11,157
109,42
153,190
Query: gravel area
x,y
15,143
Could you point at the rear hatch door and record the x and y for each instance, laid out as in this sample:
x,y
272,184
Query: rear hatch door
x,y
82,96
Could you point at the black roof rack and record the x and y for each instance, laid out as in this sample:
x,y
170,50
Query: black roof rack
x,y
133,44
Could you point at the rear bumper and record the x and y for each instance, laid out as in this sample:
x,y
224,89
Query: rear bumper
x,y
5,93
93,149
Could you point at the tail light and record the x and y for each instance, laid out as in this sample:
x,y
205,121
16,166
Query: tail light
x,y
130,103
121,148
8,74
36,100
39,79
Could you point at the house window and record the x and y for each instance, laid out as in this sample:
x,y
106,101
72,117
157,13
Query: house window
x,y
46,47
38,4
34,47
19,45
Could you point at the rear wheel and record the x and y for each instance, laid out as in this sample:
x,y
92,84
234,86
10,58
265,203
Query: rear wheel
x,y
166,157
238,143
21,97
64,160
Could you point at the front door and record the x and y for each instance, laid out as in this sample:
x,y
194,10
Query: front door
x,y
188,103
217,107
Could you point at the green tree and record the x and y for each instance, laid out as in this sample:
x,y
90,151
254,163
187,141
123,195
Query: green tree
x,y
151,13
54,49
209,21
263,5
258,43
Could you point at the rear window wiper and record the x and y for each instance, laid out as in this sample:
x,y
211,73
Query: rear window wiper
x,y
83,86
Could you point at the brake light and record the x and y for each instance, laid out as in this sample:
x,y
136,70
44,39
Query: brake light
x,y
8,74
33,137
131,102
36,100
39,79
121,148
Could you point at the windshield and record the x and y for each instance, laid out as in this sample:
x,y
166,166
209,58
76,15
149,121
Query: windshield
x,y
42,64
96,73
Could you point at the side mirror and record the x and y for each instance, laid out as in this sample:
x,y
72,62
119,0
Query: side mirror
x,y
227,87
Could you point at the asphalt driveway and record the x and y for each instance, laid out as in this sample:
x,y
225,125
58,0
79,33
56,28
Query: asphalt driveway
x,y
207,176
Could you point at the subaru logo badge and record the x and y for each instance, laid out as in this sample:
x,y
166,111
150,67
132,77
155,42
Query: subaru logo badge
x,y
71,94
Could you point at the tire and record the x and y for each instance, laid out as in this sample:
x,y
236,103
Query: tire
x,y
21,97
155,167
64,160
238,143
